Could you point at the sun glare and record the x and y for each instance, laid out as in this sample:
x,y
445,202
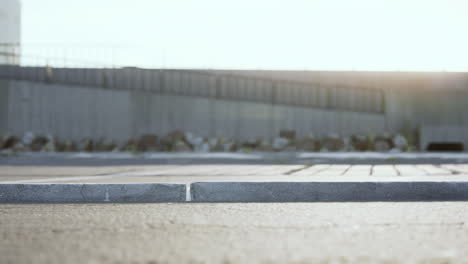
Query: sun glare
x,y
377,35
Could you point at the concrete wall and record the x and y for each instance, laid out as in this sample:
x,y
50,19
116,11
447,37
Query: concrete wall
x,y
74,112
436,102
129,102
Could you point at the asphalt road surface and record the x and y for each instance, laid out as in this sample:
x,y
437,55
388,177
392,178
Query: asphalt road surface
x,y
235,233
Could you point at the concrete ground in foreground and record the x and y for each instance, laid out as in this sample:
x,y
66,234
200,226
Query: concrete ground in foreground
x,y
235,233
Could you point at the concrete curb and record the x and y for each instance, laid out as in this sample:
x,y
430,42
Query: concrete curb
x,y
262,192
92,193
328,191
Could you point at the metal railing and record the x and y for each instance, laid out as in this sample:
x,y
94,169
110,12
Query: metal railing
x,y
209,83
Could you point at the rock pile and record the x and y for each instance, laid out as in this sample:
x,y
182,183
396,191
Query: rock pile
x,y
179,141
332,142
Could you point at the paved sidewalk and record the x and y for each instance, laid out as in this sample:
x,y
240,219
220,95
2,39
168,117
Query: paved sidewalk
x,y
234,183
209,173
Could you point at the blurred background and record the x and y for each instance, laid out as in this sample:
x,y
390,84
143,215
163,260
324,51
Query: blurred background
x,y
233,76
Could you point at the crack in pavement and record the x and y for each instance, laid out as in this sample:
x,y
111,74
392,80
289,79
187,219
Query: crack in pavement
x,y
297,170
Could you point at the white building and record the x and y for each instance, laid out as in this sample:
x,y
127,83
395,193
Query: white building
x,y
10,31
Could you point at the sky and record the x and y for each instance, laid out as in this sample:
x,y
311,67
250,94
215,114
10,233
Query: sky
x,y
392,35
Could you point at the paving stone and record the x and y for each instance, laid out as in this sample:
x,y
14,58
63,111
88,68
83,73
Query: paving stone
x,y
334,170
410,170
433,170
358,170
384,170
456,168
311,171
